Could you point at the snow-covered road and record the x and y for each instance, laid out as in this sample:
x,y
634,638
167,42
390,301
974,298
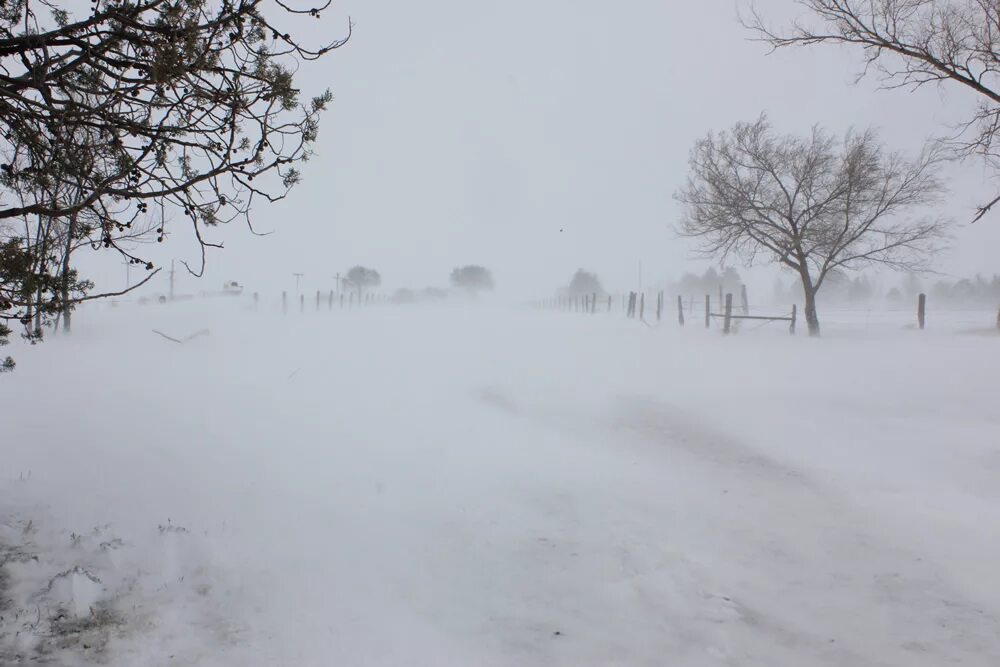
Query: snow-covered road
x,y
486,486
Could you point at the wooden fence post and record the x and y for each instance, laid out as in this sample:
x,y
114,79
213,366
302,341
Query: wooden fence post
x,y
680,310
642,306
727,323
708,311
921,309
791,327
659,306
284,303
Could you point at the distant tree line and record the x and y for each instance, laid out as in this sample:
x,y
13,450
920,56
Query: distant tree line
x,y
976,291
861,290
470,279
709,282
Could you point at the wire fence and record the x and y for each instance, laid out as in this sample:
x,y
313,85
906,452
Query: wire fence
x,y
729,316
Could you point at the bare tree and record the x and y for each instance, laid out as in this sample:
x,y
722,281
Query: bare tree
x,y
912,43
584,283
472,278
362,278
814,204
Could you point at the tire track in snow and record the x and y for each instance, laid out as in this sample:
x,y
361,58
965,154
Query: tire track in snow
x,y
901,608
807,577
679,431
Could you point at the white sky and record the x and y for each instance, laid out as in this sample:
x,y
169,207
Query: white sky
x,y
536,137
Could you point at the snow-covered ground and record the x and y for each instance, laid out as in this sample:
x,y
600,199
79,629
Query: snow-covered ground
x,y
499,486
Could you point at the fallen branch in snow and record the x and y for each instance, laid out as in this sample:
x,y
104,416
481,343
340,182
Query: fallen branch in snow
x,y
76,569
160,333
196,334
171,527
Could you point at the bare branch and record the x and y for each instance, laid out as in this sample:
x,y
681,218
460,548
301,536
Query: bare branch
x,y
910,44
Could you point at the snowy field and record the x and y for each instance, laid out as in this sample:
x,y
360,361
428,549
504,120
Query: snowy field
x,y
499,486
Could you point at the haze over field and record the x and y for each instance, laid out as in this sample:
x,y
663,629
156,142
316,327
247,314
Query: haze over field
x,y
453,486
576,333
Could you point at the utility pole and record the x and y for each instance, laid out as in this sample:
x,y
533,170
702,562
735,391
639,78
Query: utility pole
x,y
171,280
337,278
128,274
298,276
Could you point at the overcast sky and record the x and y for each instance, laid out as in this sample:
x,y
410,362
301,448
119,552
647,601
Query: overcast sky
x,y
538,136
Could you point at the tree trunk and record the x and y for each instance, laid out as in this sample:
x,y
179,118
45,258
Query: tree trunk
x,y
812,318
43,233
38,310
67,251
